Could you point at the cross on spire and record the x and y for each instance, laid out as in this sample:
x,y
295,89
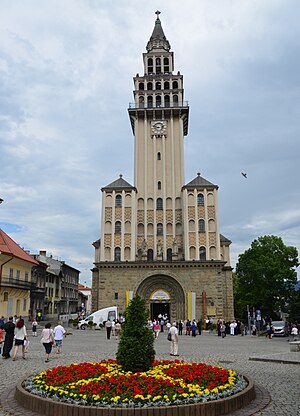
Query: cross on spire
x,y
157,14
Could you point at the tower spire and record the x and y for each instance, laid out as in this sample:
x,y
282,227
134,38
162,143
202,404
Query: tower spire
x,y
158,39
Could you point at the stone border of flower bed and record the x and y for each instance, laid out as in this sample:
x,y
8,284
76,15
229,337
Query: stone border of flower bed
x,y
50,407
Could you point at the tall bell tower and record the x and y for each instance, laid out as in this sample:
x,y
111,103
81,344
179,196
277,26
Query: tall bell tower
x,y
159,119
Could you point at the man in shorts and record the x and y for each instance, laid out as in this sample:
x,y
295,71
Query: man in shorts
x,y
59,333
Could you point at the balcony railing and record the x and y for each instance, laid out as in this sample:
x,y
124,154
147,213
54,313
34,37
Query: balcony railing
x,y
15,283
176,104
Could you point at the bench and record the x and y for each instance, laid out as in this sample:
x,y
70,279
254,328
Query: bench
x,y
295,346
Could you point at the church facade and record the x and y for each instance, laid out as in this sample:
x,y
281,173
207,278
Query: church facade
x,y
160,238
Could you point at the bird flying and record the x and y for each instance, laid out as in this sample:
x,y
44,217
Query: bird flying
x,y
244,174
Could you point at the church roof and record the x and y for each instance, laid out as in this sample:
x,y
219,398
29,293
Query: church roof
x,y
120,183
200,182
158,39
223,239
9,247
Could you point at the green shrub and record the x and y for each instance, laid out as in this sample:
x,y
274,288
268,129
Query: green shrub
x,y
136,347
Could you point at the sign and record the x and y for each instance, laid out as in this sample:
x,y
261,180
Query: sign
x,y
160,295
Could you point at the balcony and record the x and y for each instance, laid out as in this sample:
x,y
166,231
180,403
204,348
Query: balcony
x,y
11,282
177,104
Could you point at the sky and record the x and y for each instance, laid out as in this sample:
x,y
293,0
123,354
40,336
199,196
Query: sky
x,y
66,72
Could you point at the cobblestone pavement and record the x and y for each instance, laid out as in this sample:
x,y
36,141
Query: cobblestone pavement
x,y
280,379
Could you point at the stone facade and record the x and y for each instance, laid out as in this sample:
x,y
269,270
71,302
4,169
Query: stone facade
x,y
161,237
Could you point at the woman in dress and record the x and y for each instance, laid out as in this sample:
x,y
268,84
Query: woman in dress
x,y
47,340
20,337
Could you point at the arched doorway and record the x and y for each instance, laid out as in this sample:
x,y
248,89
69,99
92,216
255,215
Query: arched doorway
x,y
171,293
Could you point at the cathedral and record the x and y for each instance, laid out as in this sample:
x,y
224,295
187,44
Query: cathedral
x,y
160,237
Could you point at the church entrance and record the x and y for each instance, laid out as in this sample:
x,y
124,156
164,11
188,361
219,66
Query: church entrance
x,y
159,308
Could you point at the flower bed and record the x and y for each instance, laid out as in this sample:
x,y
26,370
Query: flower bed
x,y
166,383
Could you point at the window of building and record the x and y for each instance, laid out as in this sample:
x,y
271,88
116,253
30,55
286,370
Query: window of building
x,y
150,65
149,86
11,273
24,304
158,65
150,101
26,276
202,253
158,85
159,204
159,185
117,254
141,86
201,226
175,85
200,200
158,156
169,254
175,100
5,296
18,274
150,255
166,65
116,295
158,100
159,228
141,102
166,85
167,101
118,227
118,200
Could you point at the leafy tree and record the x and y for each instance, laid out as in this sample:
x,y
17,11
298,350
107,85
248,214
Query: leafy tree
x,y
294,307
266,275
136,350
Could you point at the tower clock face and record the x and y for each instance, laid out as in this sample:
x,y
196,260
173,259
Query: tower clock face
x,y
158,127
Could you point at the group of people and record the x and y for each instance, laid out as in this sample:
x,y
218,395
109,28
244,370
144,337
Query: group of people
x,y
13,334
113,328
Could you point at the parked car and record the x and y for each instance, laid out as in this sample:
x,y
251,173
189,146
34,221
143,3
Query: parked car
x,y
98,318
280,328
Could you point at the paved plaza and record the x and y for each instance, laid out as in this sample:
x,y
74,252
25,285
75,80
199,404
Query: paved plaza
x,y
268,362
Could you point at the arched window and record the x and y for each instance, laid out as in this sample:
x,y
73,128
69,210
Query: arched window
x,y
150,101
117,254
159,229
175,100
166,65
150,65
150,255
200,200
149,86
167,101
5,297
118,200
166,85
158,156
202,253
117,227
158,85
175,85
141,102
169,254
201,226
141,86
159,185
158,100
158,65
159,204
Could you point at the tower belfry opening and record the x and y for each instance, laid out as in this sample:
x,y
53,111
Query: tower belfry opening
x,y
161,230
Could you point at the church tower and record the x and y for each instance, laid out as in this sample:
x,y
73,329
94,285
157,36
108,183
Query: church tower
x,y
160,237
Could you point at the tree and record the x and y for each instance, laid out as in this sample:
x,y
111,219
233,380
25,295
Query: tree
x,y
266,275
136,351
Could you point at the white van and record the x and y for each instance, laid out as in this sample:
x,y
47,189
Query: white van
x,y
98,317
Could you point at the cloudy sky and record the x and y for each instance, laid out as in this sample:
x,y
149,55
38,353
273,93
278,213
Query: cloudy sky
x,y
66,71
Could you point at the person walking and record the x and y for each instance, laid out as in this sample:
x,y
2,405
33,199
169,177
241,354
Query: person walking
x,y
1,339
194,328
117,329
188,327
174,339
20,337
59,332
108,326
9,328
34,328
199,326
47,339
223,329
156,328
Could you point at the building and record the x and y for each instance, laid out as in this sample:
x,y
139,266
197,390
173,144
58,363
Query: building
x,y
87,297
38,289
160,238
15,278
61,291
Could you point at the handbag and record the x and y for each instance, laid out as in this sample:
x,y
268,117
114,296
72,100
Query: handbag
x,y
169,337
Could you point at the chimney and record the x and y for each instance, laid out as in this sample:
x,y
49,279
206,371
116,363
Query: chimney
x,y
43,253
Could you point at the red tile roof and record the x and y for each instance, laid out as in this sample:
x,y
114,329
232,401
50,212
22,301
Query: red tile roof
x,y
11,248
82,287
